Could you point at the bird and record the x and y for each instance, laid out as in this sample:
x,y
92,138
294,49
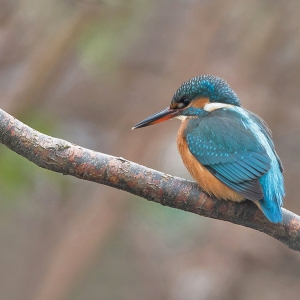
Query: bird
x,y
226,148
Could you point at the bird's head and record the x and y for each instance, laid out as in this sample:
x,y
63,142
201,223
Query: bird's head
x,y
196,97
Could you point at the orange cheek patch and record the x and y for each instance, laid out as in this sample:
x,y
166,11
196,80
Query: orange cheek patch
x,y
200,103
173,105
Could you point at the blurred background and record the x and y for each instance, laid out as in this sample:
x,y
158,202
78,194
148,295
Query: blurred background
x,y
87,71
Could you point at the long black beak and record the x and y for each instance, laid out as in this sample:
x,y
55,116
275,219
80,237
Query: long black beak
x,y
161,116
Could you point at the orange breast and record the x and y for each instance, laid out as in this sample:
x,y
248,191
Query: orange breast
x,y
204,178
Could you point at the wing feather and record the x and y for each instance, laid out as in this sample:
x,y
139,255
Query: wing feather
x,y
230,151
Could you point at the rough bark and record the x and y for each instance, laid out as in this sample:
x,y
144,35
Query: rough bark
x,y
69,159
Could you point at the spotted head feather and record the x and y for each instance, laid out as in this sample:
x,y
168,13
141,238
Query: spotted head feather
x,y
207,86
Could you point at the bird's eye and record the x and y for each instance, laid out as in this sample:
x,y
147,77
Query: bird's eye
x,y
186,101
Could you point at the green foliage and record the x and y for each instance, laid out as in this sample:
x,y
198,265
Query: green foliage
x,y
173,225
17,174
106,40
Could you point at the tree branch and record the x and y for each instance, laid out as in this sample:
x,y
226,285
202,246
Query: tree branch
x,y
69,159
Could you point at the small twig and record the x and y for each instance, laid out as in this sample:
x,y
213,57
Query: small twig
x,y
69,159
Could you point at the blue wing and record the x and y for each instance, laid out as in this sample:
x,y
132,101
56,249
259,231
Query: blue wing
x,y
230,151
268,134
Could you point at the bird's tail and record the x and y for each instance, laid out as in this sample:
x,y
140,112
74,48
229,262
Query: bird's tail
x,y
271,210
273,188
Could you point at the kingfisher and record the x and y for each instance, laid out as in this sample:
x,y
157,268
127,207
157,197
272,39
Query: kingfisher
x,y
227,149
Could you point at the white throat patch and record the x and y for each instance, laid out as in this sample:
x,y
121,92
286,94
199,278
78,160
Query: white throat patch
x,y
216,105
181,118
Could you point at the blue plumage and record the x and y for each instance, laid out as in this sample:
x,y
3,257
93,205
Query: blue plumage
x,y
212,87
236,146
220,139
